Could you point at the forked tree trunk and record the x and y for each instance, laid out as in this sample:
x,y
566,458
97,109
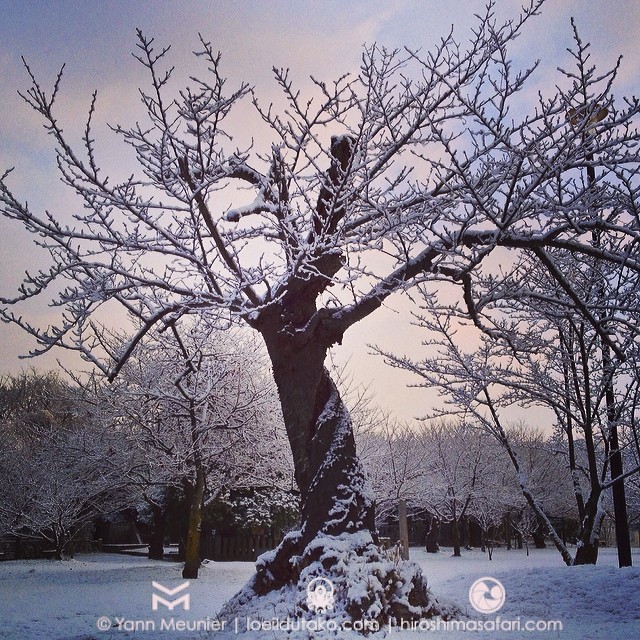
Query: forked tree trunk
x,y
589,538
337,537
488,536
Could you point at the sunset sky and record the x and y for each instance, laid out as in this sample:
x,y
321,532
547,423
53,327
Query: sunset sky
x,y
320,38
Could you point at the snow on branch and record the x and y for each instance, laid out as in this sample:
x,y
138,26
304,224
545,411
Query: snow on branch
x,y
426,163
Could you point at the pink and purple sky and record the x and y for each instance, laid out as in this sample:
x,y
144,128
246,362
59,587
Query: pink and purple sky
x,y
322,38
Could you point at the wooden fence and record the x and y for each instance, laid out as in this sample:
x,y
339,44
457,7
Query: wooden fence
x,y
242,547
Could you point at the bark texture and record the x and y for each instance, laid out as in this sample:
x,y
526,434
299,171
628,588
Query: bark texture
x,y
192,551
331,480
337,538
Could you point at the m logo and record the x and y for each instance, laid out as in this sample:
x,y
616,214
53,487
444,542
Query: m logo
x,y
184,600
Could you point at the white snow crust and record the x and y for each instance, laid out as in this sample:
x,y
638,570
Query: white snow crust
x,y
44,599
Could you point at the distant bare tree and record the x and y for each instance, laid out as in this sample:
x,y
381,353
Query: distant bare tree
x,y
457,472
60,468
187,401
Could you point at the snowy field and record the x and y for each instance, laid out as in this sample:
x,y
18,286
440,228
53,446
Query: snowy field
x,y
70,600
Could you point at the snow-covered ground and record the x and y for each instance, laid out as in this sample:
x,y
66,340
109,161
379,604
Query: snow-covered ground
x,y
72,599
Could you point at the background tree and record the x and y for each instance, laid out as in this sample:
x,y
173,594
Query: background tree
x,y
61,468
550,478
186,402
392,460
558,326
429,173
456,472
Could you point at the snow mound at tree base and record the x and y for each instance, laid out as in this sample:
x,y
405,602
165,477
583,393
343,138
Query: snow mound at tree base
x,y
362,586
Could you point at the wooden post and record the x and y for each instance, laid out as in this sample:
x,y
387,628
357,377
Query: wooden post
x,y
404,529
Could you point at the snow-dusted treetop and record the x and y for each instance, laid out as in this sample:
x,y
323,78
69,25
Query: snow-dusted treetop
x,y
430,169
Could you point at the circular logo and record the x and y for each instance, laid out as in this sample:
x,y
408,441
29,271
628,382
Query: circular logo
x,y
487,595
103,623
320,595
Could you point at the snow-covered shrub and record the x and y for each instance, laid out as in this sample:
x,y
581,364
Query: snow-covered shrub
x,y
368,586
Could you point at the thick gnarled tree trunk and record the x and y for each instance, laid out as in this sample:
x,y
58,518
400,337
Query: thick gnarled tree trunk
x,y
337,538
331,480
328,472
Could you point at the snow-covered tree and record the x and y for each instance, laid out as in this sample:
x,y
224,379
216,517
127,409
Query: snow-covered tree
x,y
192,401
457,471
483,384
488,512
545,465
259,508
418,168
556,326
395,469
60,468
